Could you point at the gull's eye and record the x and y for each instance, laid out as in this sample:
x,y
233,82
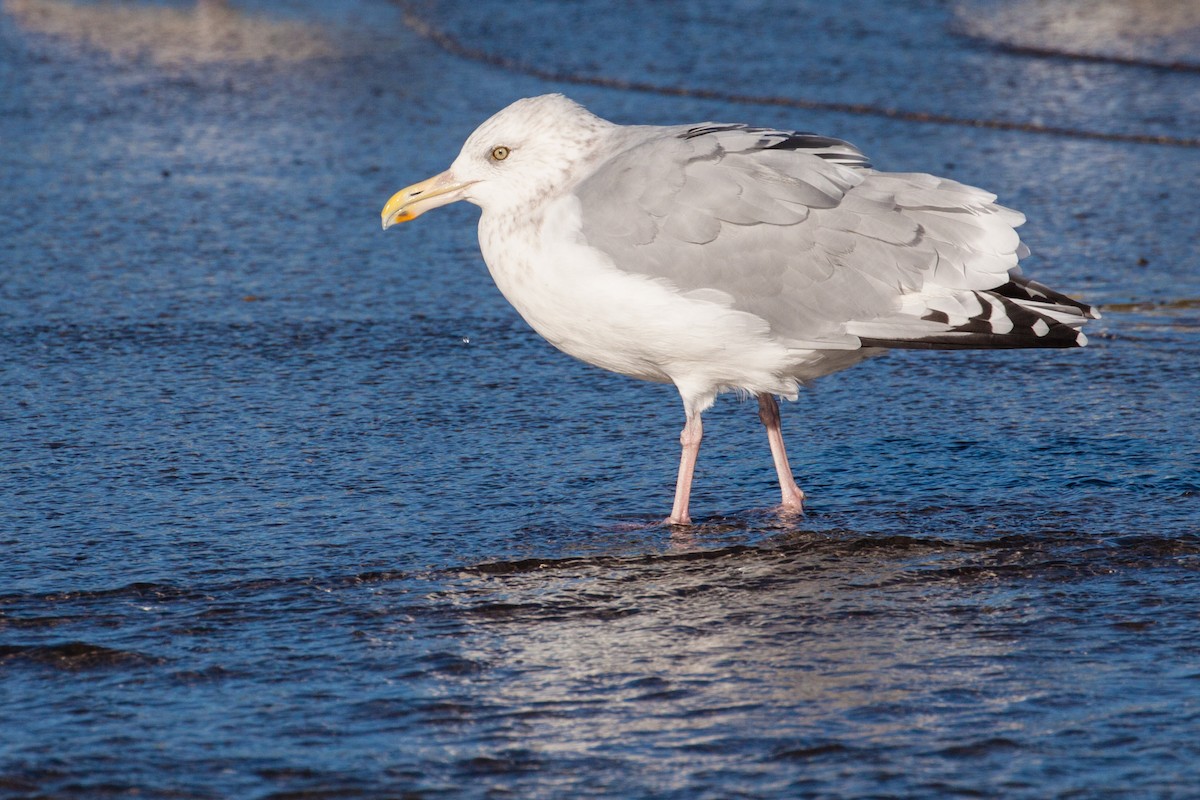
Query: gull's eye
x,y
499,153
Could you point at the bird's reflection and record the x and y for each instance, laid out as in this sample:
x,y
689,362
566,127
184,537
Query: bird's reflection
x,y
207,31
728,642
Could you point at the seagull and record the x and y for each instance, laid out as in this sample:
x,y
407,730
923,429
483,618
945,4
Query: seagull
x,y
724,257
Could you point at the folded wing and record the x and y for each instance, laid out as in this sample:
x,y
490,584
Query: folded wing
x,y
801,231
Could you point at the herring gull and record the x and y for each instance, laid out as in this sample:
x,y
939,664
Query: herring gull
x,y
724,257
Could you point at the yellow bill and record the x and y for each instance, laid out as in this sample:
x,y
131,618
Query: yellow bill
x,y
413,201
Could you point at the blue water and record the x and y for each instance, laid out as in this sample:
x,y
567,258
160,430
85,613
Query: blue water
x,y
296,508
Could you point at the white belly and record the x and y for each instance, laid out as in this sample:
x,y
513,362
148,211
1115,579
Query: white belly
x,y
584,305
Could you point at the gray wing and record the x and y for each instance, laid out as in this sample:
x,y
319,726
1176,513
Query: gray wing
x,y
799,230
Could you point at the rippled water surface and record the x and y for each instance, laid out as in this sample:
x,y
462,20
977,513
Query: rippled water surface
x,y
295,508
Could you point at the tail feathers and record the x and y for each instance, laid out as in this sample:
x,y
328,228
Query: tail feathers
x,y
1021,313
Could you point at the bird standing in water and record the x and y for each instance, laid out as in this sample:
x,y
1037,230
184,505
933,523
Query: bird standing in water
x,y
723,257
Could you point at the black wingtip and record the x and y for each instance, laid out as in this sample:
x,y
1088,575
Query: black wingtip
x,y
1005,322
838,151
1022,288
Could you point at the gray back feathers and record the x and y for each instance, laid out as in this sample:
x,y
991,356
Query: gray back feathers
x,y
798,229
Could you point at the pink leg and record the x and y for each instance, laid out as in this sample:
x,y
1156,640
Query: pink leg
x,y
690,441
768,412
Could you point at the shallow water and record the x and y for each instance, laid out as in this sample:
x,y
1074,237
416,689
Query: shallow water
x,y
294,508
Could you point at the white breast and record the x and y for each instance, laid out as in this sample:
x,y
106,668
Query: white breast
x,y
583,304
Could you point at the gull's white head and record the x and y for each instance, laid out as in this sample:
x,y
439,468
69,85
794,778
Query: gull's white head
x,y
521,155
